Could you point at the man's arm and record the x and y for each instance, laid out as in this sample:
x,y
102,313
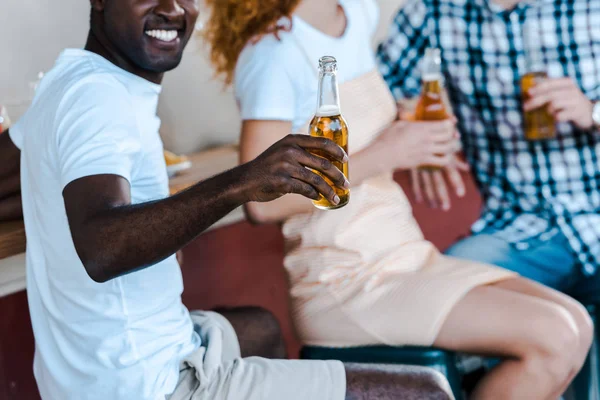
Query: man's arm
x,y
10,179
114,237
399,55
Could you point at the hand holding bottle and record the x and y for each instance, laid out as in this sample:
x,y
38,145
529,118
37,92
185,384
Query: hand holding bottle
x,y
289,166
415,143
435,185
564,99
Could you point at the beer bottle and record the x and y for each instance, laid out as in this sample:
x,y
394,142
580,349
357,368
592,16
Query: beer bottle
x,y
538,124
329,123
430,106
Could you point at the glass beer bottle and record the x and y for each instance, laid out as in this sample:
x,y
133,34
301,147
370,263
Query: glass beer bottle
x,y
430,106
538,124
329,123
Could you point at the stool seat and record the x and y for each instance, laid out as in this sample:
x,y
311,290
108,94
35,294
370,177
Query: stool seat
x,y
441,360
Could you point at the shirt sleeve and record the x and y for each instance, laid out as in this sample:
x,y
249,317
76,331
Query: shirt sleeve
x,y
97,133
399,55
263,86
15,132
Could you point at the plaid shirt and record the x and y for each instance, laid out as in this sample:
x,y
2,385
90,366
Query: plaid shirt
x,y
532,190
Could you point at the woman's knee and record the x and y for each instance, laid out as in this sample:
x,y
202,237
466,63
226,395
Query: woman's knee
x,y
555,336
585,325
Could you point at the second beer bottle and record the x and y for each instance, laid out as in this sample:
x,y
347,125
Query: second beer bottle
x,y
329,123
430,106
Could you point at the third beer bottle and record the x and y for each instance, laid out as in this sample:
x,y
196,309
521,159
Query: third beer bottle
x,y
329,123
538,124
430,106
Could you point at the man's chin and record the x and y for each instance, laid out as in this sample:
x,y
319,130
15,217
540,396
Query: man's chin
x,y
163,64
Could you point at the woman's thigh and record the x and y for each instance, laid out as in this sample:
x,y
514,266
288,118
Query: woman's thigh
x,y
489,321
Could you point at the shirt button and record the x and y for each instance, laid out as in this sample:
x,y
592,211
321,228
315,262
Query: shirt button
x,y
522,246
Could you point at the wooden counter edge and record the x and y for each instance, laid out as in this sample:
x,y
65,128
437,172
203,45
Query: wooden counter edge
x,y
12,239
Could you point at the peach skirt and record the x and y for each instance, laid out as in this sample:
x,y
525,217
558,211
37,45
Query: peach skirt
x,y
365,275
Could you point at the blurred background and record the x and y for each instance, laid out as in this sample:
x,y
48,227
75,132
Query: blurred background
x,y
197,111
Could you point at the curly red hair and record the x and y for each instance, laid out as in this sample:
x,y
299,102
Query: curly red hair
x,y
234,23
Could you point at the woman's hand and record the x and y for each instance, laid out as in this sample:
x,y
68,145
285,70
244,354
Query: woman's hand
x,y
434,186
415,143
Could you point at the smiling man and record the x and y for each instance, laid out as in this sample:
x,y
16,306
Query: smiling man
x,y
104,286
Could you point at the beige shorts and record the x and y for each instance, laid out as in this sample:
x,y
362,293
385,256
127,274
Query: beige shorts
x,y
216,371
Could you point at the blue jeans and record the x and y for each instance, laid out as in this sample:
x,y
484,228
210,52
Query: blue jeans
x,y
551,263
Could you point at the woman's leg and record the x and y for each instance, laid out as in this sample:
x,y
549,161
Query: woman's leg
x,y
577,310
539,338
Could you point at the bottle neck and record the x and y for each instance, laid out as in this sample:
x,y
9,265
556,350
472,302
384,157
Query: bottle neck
x,y
328,100
432,86
431,73
534,60
432,80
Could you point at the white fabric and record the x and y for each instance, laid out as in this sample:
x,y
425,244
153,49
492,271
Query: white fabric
x,y
277,79
123,339
216,372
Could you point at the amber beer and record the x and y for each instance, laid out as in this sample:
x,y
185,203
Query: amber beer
x,y
538,124
430,106
329,123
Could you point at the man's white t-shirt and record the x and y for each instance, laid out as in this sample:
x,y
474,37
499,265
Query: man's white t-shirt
x,y
123,339
277,78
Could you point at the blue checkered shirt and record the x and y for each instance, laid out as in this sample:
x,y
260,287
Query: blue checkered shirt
x,y
532,190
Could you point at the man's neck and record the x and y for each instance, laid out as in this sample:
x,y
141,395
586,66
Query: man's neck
x,y
506,4
100,45
324,15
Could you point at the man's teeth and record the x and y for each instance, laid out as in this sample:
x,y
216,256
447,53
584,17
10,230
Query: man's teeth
x,y
162,35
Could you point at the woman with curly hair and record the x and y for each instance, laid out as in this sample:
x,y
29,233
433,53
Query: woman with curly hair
x,y
364,274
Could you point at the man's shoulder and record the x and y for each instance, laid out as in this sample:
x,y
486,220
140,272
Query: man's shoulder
x,y
82,76
80,95
93,86
69,88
